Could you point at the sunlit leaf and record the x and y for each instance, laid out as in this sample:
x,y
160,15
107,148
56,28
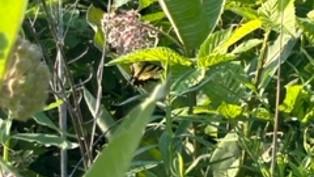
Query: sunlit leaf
x,y
214,59
229,111
239,33
158,54
12,14
226,157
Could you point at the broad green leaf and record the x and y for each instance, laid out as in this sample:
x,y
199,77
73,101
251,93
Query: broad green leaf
x,y
293,94
213,41
105,121
214,59
226,157
12,14
45,140
158,54
226,82
192,20
229,111
116,158
239,33
187,80
271,12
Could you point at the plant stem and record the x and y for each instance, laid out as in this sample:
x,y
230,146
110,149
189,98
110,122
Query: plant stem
x,y
6,146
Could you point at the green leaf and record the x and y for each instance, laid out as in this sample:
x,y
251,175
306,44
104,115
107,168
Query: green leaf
x,y
53,105
145,3
245,12
293,93
308,28
115,159
246,46
153,16
226,157
239,33
213,41
94,17
12,14
279,49
229,111
192,20
105,121
42,119
271,11
214,59
45,140
158,54
187,80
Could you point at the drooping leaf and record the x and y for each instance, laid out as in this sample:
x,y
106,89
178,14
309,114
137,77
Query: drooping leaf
x,y
280,50
226,157
12,15
158,54
45,140
94,17
192,20
116,158
105,121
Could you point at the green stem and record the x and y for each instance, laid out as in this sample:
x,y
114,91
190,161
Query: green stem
x,y
6,145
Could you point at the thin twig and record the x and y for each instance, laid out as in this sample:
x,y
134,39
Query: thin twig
x,y
276,121
74,109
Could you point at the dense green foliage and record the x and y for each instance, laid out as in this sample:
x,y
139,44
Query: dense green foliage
x,y
211,112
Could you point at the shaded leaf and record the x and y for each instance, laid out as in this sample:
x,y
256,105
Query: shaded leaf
x,y
192,20
116,158
105,121
45,140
